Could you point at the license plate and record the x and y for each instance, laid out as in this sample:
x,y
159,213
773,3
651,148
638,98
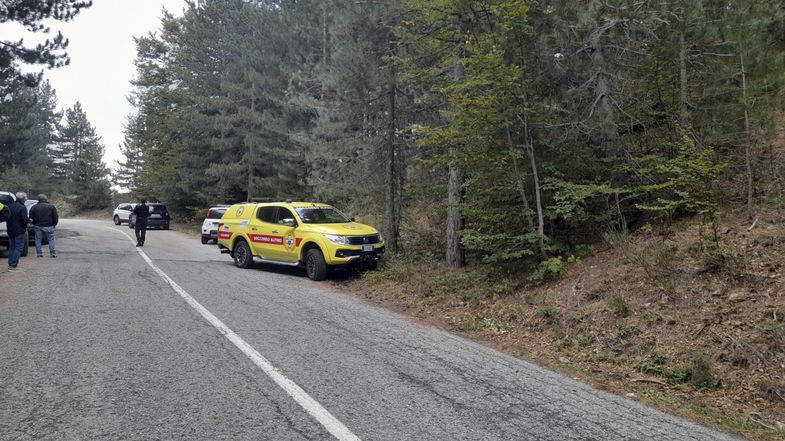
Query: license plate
x,y
155,216
367,248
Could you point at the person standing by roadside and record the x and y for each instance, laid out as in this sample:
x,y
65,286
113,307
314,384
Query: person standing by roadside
x,y
141,213
17,229
44,217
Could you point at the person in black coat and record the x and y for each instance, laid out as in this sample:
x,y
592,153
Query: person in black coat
x,y
44,217
17,231
142,212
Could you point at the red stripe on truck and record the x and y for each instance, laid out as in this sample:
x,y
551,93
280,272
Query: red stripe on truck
x,y
263,238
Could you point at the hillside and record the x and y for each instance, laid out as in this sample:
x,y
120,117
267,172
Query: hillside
x,y
659,317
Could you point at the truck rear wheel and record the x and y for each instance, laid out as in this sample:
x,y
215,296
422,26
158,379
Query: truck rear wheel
x,y
242,255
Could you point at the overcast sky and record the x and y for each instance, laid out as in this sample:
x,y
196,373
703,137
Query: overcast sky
x,y
102,55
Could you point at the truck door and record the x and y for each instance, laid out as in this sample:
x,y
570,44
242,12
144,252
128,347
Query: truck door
x,y
285,228
263,242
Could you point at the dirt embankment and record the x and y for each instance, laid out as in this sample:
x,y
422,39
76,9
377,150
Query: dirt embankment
x,y
689,319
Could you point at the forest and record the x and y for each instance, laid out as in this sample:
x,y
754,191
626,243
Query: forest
x,y
497,131
502,132
43,149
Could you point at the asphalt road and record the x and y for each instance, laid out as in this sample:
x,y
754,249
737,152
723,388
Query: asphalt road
x,y
100,344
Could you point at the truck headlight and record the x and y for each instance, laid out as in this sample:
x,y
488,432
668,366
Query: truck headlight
x,y
334,238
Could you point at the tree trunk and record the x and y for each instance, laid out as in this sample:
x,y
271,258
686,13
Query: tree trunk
x,y
748,143
251,153
393,221
521,178
325,33
455,256
602,89
537,199
684,111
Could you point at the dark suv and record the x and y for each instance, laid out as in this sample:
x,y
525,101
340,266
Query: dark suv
x,y
159,217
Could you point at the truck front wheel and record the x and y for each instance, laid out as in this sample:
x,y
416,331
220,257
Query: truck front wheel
x,y
315,265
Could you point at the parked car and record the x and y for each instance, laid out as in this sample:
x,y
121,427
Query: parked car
x,y
4,231
122,213
316,236
159,217
211,221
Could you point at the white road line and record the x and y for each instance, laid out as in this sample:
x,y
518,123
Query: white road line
x,y
316,410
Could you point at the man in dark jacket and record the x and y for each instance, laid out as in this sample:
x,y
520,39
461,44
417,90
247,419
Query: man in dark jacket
x,y
141,213
44,217
17,229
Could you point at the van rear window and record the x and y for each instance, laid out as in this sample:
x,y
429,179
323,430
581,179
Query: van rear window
x,y
215,213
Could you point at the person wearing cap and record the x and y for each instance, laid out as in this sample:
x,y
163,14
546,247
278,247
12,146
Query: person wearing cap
x,y
17,229
44,218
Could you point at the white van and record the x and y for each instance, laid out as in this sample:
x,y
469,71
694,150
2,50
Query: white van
x,y
122,213
4,230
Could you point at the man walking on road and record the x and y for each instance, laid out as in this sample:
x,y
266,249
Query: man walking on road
x,y
44,217
141,213
17,227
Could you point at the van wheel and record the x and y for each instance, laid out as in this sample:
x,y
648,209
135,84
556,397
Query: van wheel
x,y
205,240
242,255
315,265
116,219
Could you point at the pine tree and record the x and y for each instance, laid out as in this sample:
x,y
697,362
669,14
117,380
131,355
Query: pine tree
x,y
51,53
29,118
78,160
127,173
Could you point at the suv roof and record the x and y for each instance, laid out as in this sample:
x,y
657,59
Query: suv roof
x,y
6,193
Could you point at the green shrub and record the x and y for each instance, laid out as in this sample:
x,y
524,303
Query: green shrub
x,y
678,374
549,312
702,378
618,305
654,365
623,331
549,269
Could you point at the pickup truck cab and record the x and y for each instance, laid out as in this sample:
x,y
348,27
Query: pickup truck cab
x,y
316,236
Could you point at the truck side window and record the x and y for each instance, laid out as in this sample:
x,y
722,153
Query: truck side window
x,y
283,213
266,214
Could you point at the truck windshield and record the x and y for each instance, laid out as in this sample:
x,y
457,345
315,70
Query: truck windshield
x,y
321,215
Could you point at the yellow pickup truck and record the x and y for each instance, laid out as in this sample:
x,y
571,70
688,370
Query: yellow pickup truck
x,y
316,236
